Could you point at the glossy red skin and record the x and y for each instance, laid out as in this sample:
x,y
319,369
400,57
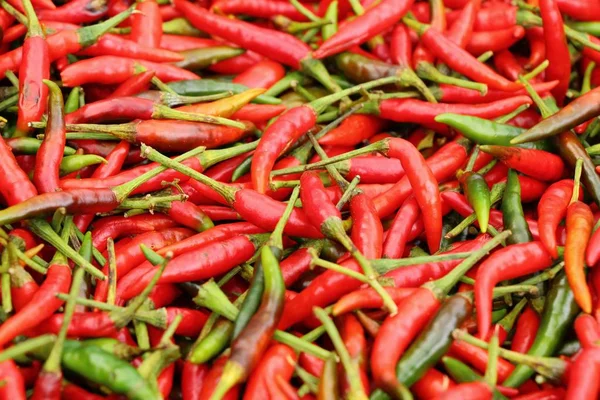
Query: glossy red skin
x,y
353,130
146,27
119,226
23,294
192,322
257,113
432,384
583,377
83,325
278,46
397,234
276,138
478,358
353,336
212,379
116,45
554,37
110,70
75,12
545,394
368,298
367,230
220,213
258,8
587,330
472,390
401,45
461,30
129,254
238,64
525,330
41,306
33,93
182,43
443,164
112,109
495,41
262,75
278,360
295,265
16,186
538,164
552,208
508,263
192,379
315,202
15,385
204,262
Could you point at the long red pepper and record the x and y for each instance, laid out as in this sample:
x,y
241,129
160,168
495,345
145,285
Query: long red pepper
x,y
525,330
583,377
509,263
34,68
558,54
374,21
14,386
538,164
16,186
75,12
552,208
278,360
47,162
146,26
397,235
114,45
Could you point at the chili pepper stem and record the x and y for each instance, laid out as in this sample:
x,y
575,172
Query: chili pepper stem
x,y
28,346
90,34
577,181
408,77
429,72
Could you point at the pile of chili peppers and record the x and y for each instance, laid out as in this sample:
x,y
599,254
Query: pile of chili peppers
x,y
273,199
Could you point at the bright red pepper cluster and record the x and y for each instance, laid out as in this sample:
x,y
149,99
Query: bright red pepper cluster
x,y
272,199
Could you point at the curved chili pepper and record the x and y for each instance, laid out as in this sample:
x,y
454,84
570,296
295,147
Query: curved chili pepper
x,y
443,165
537,47
495,41
512,211
238,64
278,46
353,130
461,29
538,164
75,12
432,384
374,21
16,186
580,222
587,330
112,70
397,235
424,113
368,298
278,361
508,263
461,60
14,387
552,208
47,163
33,69
114,45
134,85
554,37
583,378
22,288
525,331
400,46
478,195
559,312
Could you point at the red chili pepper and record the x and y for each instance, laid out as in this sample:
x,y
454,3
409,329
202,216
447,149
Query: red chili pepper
x,y
368,298
537,47
146,26
16,186
33,69
471,390
508,263
112,70
278,361
262,75
22,288
115,45
584,10
479,358
559,57
525,331
353,130
119,226
397,235
454,94
257,113
443,165
295,265
461,29
179,43
583,377
238,64
587,330
494,40
192,380
507,64
260,9
580,222
75,12
353,336
552,208
375,20
538,164
462,61
129,254
424,113
212,379
14,386
43,304
432,384
546,394
134,85
367,231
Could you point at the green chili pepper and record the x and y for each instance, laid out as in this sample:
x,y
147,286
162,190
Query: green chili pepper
x,y
434,340
206,56
77,162
181,26
512,211
462,373
559,312
213,344
203,87
483,131
478,194
72,102
28,145
252,300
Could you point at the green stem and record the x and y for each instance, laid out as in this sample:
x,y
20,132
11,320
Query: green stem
x,y
112,272
577,180
28,346
382,266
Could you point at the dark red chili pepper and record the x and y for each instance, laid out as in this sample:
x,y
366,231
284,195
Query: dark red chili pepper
x,y
111,70
552,208
134,85
114,45
374,21
554,37
33,69
22,288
